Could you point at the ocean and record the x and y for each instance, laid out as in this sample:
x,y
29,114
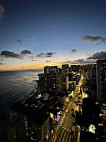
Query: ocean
x,y
15,85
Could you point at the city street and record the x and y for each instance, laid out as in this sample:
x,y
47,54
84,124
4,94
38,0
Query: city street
x,y
65,131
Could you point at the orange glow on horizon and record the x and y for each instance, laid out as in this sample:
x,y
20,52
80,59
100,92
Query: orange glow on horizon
x,y
29,66
26,67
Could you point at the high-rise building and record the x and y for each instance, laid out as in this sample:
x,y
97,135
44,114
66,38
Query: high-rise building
x,y
59,81
75,68
101,80
65,68
51,69
47,82
94,74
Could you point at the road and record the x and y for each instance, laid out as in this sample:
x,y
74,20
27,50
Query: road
x,y
62,132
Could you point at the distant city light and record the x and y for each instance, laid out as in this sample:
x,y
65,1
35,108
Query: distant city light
x,y
51,115
85,95
92,128
67,99
58,116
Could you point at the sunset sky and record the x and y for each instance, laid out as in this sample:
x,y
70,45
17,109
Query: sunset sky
x,y
36,33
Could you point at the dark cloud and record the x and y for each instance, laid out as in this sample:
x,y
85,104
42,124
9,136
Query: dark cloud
x,y
93,38
42,55
98,55
90,60
9,54
2,11
24,52
50,54
79,61
84,61
73,50
19,41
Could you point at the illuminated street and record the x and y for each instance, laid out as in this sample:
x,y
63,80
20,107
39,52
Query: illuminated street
x,y
65,125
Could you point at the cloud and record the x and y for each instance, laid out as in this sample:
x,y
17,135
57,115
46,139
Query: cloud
x,y
50,54
84,61
33,60
1,59
98,55
9,54
2,10
73,50
48,61
19,41
24,52
90,60
31,56
98,44
80,61
42,55
1,63
93,38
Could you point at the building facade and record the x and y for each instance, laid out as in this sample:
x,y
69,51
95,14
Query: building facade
x,y
101,80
